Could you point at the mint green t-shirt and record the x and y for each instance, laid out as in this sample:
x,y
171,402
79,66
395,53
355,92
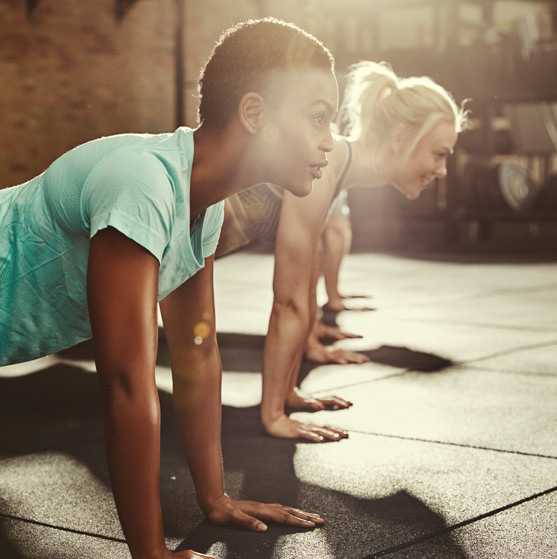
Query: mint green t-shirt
x,y
138,184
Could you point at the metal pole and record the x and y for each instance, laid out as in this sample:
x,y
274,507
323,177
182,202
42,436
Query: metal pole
x,y
179,75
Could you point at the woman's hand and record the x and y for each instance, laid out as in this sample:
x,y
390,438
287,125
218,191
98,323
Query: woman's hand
x,y
285,428
187,554
318,353
253,515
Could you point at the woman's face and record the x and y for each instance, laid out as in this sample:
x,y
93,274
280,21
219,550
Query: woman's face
x,y
296,136
427,162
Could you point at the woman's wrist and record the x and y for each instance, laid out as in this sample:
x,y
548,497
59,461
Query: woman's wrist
x,y
157,554
209,502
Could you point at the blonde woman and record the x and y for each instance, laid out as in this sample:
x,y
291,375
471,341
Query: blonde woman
x,y
400,131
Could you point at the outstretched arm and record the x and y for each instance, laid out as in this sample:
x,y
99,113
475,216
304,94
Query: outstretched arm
x,y
291,317
189,322
122,293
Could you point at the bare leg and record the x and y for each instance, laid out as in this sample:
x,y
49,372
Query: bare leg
x,y
337,238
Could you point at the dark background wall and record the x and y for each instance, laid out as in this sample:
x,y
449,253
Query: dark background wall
x,y
72,70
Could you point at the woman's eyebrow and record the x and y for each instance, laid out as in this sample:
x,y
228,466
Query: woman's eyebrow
x,y
331,110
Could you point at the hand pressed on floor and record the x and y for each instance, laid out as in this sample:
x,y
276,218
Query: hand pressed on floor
x,y
286,428
253,515
336,307
187,554
334,332
318,353
298,401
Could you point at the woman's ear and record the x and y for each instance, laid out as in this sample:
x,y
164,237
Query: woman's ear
x,y
399,139
251,112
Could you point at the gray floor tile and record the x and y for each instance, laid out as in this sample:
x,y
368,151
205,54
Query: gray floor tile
x,y
473,407
22,540
375,491
526,531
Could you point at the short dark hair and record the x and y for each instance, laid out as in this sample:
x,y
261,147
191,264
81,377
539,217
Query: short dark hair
x,y
244,55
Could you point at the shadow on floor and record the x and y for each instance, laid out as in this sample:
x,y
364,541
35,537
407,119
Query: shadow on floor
x,y
58,410
398,357
7,549
244,353
406,358
355,526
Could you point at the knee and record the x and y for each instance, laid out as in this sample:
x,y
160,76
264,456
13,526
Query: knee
x,y
336,231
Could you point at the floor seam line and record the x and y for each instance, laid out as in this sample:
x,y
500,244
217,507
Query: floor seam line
x,y
448,443
61,528
519,373
458,525
510,352
455,365
386,377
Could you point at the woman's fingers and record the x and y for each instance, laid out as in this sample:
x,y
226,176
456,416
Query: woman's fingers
x,y
351,356
311,436
306,515
282,515
334,403
187,554
350,335
317,433
244,520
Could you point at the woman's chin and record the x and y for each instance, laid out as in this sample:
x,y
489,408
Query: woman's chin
x,y
409,192
301,189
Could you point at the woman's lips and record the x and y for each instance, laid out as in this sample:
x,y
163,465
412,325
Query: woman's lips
x,y
316,172
316,169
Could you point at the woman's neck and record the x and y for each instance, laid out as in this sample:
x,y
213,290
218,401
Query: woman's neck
x,y
221,166
366,168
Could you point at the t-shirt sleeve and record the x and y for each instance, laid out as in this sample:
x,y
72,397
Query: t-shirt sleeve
x,y
131,192
211,231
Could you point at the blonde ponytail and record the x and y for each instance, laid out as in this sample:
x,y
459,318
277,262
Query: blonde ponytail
x,y
377,102
366,84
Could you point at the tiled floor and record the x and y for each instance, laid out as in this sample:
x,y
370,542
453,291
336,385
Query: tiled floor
x,y
453,435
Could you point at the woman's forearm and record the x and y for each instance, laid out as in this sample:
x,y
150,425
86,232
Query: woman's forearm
x,y
288,328
132,426
197,398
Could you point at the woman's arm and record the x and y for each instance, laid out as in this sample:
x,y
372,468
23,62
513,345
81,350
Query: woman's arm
x,y
189,322
122,293
300,226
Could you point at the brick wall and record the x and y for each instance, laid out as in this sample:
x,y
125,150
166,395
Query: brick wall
x,y
73,73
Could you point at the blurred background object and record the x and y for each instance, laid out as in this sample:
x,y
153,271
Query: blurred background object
x,y
72,71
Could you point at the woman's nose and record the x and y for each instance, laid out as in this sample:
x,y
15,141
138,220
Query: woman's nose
x,y
441,170
327,143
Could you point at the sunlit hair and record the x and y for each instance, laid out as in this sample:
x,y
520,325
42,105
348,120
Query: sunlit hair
x,y
245,55
377,102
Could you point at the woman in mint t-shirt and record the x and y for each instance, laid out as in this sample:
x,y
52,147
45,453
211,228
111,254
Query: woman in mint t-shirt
x,y
113,226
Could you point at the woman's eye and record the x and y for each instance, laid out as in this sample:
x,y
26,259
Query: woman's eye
x,y
319,119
